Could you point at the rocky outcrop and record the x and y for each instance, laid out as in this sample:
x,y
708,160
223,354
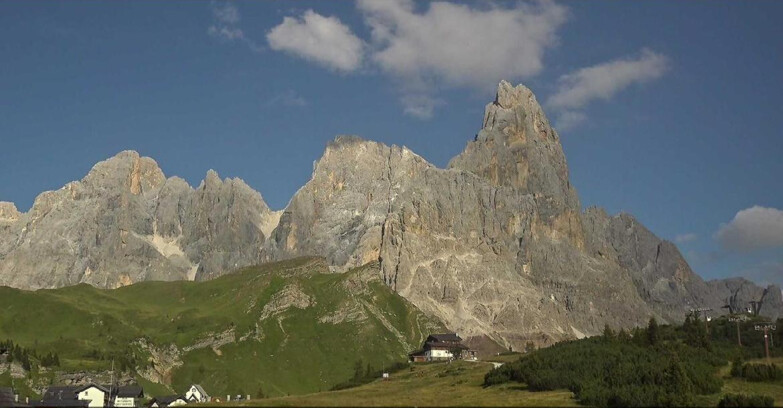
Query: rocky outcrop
x,y
738,293
496,245
126,222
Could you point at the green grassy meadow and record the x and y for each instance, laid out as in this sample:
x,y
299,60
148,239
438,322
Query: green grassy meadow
x,y
279,351
435,384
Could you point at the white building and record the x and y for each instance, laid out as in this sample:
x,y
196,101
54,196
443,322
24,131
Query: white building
x,y
168,401
196,394
128,396
443,347
96,394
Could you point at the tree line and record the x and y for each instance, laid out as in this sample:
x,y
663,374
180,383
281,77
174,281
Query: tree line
x,y
657,365
22,355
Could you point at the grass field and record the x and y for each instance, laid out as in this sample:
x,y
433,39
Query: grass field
x,y
739,386
435,384
287,328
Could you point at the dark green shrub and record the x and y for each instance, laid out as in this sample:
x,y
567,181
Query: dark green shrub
x,y
742,400
761,372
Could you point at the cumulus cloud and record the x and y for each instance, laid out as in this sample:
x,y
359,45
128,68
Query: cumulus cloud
x,y
604,80
458,45
752,229
685,238
442,44
316,38
225,26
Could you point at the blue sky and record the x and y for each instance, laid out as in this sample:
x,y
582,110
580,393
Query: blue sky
x,y
671,111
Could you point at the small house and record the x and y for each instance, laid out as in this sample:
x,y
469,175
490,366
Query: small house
x,y
168,401
96,394
60,393
196,393
60,396
128,396
438,347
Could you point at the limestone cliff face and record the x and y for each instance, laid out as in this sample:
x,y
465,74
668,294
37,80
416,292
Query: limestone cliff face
x,y
496,245
126,222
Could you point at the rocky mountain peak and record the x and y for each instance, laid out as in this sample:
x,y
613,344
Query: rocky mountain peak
x,y
509,96
126,169
516,147
8,211
212,179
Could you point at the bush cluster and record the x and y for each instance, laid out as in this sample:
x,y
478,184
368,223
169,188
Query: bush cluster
x,y
655,367
742,400
758,372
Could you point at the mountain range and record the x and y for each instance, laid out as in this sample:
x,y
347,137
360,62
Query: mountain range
x,y
496,245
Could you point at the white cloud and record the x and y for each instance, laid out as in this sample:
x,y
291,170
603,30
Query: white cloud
x,y
226,33
225,25
458,45
604,80
685,238
569,119
421,106
323,40
751,229
227,14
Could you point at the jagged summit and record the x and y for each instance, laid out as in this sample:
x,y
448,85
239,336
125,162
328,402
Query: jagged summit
x,y
495,245
509,96
517,147
8,211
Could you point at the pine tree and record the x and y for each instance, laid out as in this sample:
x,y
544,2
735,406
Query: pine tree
x,y
608,333
623,336
653,333
357,370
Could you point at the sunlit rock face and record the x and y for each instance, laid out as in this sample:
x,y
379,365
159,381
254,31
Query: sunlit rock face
x,y
126,222
496,245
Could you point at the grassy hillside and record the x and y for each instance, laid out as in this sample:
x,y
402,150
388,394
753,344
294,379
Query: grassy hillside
x,y
285,328
436,384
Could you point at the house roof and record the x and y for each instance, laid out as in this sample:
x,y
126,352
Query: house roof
x,y
129,391
104,388
57,393
445,337
167,399
438,344
200,390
